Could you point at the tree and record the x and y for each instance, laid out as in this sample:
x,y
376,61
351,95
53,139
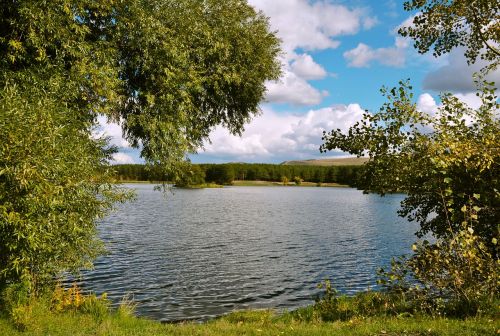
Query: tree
x,y
220,174
448,164
53,185
193,177
444,25
168,71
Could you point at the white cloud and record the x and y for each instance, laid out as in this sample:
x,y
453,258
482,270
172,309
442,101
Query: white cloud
x,y
312,26
426,103
309,26
457,76
395,56
278,137
370,22
470,99
122,158
363,55
113,131
294,90
391,8
305,67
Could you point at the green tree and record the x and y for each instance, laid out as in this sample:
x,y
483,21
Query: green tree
x,y
168,71
53,185
444,162
220,174
192,177
444,25
448,164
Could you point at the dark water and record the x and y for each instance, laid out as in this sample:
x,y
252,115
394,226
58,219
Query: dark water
x,y
203,253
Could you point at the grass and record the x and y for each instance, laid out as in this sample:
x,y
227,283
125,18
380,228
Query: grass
x,y
246,183
352,161
45,322
68,312
201,186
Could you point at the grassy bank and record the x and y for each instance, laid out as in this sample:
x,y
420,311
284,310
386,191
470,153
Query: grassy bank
x,y
44,322
245,183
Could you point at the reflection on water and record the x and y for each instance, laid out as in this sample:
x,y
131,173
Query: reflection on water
x,y
203,253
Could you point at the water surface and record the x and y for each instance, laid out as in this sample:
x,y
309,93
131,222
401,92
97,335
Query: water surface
x,y
202,253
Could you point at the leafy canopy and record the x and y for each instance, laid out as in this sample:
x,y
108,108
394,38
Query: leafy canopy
x,y
53,185
168,71
444,25
447,163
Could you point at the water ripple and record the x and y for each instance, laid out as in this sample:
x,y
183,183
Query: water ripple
x,y
203,253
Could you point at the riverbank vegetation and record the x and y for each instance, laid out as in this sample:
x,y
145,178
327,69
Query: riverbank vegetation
x,y
241,173
67,312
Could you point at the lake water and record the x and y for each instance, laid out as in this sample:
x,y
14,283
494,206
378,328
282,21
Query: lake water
x,y
198,254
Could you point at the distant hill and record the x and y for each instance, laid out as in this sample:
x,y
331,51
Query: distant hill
x,y
328,162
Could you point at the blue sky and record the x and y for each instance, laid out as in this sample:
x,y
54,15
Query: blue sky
x,y
337,56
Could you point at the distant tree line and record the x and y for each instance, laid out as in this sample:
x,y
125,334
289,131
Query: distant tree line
x,y
228,172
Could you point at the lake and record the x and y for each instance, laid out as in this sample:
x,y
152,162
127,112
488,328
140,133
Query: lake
x,y
198,254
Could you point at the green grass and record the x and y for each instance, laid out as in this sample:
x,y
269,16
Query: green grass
x,y
246,183
352,161
201,186
44,322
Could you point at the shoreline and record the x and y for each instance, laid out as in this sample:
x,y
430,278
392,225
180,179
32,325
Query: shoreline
x,y
247,183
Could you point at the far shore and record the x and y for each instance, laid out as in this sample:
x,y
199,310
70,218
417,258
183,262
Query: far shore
x,y
247,183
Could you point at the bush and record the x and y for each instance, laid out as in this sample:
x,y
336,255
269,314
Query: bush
x,y
456,276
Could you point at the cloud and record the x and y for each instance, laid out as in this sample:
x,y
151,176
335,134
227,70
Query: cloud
x,y
294,90
307,26
363,55
312,26
395,56
457,76
305,67
391,8
278,137
111,130
470,99
122,158
427,104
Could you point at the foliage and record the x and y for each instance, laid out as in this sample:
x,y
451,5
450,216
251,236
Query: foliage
x,y
448,163
328,305
192,177
284,180
72,299
193,65
168,71
297,180
53,185
220,174
254,322
402,301
457,276
250,171
444,25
